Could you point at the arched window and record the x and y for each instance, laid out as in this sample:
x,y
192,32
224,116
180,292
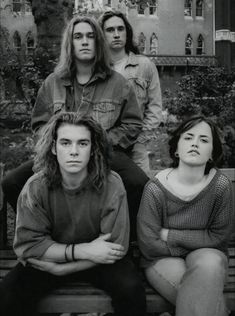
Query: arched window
x,y
189,45
187,7
142,5
17,41
30,43
16,6
153,44
141,43
200,45
199,8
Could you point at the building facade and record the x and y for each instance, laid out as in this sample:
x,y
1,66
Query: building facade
x,y
16,16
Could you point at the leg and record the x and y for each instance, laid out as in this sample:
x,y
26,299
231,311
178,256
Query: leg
x,y
21,289
201,290
123,283
134,180
140,157
165,277
14,181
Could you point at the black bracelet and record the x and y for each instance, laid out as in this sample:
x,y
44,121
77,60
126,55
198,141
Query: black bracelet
x,y
65,253
73,257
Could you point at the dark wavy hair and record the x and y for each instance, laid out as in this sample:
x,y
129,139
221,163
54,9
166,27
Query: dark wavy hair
x,y
130,44
217,151
46,162
66,63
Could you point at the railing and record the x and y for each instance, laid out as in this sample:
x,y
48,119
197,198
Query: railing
x,y
170,60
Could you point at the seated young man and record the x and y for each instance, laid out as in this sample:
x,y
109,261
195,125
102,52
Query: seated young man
x,y
72,222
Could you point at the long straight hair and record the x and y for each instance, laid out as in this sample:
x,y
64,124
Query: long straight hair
x,y
46,162
66,64
130,44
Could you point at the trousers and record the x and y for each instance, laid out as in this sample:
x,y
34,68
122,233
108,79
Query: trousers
x,y
23,286
194,284
133,177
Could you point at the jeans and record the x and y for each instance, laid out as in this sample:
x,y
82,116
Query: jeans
x,y
133,177
195,285
140,157
23,286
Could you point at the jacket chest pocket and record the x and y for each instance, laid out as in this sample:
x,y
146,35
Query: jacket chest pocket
x,y
105,113
140,86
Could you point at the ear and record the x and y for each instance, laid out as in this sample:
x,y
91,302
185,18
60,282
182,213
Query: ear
x,y
53,148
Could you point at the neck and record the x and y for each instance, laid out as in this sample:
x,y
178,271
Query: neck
x,y
118,54
73,181
84,72
190,175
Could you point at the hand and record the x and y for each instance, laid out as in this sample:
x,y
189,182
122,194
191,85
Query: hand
x,y
47,266
164,234
100,250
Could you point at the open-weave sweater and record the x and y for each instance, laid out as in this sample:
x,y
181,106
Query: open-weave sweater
x,y
205,221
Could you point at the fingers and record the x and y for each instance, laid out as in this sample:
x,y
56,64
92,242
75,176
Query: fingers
x,y
105,237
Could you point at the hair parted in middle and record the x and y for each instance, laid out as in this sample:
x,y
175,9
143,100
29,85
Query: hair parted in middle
x,y
66,63
130,44
217,150
46,162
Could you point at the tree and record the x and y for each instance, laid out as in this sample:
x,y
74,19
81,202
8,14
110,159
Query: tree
x,y
209,91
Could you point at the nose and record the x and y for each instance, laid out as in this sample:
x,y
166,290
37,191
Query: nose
x,y
116,33
195,142
84,41
74,150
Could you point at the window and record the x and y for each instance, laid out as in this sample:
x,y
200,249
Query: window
x,y
141,43
188,8
17,41
142,5
30,43
199,8
152,6
16,6
28,8
200,45
153,44
188,45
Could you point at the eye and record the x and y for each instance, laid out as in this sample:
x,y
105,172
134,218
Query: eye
x,y
121,28
91,35
203,140
110,29
77,36
83,144
65,143
187,137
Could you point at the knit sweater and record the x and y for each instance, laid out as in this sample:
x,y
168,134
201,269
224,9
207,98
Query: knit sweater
x,y
46,216
205,221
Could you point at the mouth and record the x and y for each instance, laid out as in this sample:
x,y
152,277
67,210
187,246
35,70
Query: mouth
x,y
85,50
193,152
73,162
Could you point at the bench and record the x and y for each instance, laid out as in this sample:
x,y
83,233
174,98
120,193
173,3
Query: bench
x,y
83,298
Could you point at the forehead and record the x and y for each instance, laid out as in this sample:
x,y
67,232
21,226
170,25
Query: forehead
x,y
114,21
73,132
201,128
82,27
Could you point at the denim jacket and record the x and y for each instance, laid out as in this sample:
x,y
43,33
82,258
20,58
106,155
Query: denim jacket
x,y
143,74
108,98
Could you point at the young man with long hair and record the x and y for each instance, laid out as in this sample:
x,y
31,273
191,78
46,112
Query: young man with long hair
x,y
141,73
83,82
72,222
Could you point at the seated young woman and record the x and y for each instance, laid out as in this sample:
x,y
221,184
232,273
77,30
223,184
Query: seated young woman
x,y
185,222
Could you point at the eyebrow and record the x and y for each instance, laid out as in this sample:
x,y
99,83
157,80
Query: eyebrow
x,y
190,134
80,140
87,33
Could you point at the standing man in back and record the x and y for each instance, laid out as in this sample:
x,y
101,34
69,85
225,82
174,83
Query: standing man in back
x,y
141,72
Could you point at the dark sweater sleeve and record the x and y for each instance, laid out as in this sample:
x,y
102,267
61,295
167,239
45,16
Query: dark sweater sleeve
x,y
149,224
219,226
33,227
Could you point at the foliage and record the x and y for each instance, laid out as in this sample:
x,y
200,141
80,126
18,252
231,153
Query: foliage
x,y
209,91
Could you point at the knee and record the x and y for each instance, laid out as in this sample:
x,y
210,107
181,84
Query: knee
x,y
212,263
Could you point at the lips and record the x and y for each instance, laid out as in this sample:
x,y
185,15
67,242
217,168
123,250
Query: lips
x,y
193,151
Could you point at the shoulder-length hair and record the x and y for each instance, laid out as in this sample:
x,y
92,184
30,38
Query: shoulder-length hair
x,y
66,63
46,162
217,150
130,44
